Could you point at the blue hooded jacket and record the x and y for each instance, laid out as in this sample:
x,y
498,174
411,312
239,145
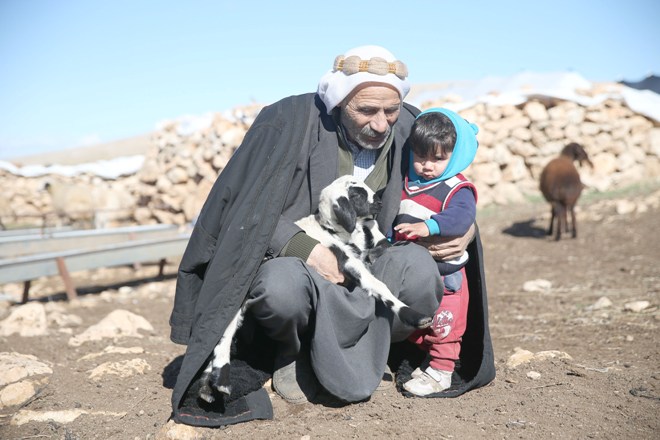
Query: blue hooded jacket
x,y
464,151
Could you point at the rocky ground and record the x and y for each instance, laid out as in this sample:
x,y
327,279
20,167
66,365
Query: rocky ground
x,y
574,326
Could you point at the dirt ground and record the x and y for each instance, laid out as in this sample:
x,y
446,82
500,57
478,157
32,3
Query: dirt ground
x,y
603,383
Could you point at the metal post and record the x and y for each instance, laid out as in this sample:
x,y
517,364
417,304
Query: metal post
x,y
26,291
68,282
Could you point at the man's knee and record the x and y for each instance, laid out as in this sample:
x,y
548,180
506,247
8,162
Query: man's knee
x,y
412,267
281,288
421,271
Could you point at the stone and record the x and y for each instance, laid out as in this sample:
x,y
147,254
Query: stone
x,y
18,393
515,170
16,366
636,306
172,430
113,350
60,417
119,323
604,164
177,175
27,320
538,285
519,357
551,354
488,173
624,207
122,369
535,111
602,303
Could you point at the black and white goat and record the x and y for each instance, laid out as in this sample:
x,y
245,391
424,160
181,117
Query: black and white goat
x,y
345,224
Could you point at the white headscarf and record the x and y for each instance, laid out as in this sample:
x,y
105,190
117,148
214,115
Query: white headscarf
x,y
337,83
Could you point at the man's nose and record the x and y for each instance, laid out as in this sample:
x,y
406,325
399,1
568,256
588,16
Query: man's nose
x,y
379,122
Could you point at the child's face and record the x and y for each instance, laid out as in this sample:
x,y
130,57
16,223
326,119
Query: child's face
x,y
431,167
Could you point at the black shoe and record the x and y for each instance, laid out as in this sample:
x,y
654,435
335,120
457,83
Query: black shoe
x,y
295,381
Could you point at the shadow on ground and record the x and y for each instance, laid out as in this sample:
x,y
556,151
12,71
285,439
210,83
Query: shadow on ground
x,y
525,229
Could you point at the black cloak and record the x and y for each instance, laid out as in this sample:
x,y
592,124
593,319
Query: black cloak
x,y
230,239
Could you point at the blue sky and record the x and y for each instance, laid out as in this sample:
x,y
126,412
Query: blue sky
x,y
76,72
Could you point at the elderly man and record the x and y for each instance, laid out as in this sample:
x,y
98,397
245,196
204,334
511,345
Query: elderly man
x,y
246,245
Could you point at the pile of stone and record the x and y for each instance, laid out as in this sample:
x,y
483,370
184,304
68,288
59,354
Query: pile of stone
x,y
515,142
183,165
83,201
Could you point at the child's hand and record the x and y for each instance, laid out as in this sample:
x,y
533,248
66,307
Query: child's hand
x,y
413,230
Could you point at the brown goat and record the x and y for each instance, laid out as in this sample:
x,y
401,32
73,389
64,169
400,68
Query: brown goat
x,y
561,186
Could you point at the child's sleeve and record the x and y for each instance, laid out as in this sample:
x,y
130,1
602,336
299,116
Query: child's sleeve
x,y
457,217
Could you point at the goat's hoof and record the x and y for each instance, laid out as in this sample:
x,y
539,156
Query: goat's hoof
x,y
219,378
205,391
425,322
413,318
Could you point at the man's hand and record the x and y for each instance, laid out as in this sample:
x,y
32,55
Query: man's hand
x,y
447,248
325,263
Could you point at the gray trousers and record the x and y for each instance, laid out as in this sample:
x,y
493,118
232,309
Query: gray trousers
x,y
347,332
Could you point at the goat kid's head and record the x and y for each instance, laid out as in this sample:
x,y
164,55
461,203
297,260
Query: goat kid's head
x,y
575,152
345,201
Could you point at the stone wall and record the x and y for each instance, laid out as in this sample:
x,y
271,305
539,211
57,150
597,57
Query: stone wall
x,y
84,201
515,142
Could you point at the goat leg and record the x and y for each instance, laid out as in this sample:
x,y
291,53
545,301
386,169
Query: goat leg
x,y
561,217
216,373
552,219
362,277
574,231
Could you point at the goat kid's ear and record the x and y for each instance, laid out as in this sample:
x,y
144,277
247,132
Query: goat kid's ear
x,y
360,200
346,216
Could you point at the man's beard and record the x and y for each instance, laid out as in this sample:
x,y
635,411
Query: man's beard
x,y
366,135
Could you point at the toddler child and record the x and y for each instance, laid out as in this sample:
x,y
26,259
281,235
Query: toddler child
x,y
438,200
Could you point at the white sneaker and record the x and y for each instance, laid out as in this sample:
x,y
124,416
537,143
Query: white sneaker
x,y
427,382
417,372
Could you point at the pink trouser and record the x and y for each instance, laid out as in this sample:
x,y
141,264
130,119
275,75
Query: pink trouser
x,y
442,340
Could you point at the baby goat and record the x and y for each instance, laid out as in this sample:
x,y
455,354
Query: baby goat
x,y
561,186
345,224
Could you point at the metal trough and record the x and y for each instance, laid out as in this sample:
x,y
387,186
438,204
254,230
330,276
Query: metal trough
x,y
33,242
33,231
28,267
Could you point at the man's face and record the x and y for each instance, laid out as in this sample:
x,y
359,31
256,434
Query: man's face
x,y
369,113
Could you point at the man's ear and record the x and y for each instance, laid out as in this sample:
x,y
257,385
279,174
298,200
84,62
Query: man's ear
x,y
345,213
